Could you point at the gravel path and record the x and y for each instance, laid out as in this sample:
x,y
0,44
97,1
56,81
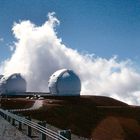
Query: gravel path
x,y
9,132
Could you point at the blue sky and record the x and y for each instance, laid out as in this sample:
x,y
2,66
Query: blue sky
x,y
102,27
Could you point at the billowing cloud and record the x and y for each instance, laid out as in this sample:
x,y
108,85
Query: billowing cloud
x,y
39,52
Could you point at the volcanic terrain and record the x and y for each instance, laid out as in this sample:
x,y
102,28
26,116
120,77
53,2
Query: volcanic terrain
x,y
96,117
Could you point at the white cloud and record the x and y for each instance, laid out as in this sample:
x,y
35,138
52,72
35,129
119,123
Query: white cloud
x,y
39,52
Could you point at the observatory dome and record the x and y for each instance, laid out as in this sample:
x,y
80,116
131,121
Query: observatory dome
x,y
64,82
12,83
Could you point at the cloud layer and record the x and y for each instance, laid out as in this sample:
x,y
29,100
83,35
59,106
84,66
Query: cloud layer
x,y
38,52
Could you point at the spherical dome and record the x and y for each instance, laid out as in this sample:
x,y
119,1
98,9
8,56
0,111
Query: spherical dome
x,y
12,83
64,82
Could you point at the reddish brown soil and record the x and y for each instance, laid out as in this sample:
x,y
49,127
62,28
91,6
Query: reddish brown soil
x,y
117,128
100,118
16,103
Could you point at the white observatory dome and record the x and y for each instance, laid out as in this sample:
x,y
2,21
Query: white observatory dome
x,y
64,82
13,83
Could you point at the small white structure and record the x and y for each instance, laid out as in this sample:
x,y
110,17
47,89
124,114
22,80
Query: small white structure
x,y
64,82
13,83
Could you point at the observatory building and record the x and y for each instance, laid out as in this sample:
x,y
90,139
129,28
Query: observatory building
x,y
64,82
13,83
